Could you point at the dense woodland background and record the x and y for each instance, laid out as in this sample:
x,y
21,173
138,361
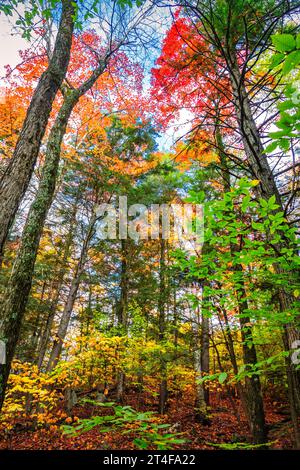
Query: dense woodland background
x,y
124,344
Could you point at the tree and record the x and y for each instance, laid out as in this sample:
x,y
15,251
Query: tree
x,y
21,277
15,179
239,41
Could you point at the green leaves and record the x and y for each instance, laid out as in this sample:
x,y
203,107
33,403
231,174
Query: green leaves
x,y
284,42
141,424
291,62
222,377
245,203
130,3
266,208
276,60
288,54
287,59
6,9
271,147
209,378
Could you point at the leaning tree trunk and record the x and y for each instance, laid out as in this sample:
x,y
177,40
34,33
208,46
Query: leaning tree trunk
x,y
54,301
252,143
16,177
65,319
66,315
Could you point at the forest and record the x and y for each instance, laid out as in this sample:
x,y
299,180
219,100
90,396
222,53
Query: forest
x,y
149,225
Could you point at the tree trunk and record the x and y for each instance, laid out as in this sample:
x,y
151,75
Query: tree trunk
x,y
122,305
259,165
16,177
205,353
231,351
288,337
253,146
53,307
65,320
251,396
163,388
200,339
34,336
122,313
16,297
66,316
175,322
228,391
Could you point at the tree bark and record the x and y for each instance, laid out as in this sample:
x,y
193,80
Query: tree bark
x,y
16,177
253,146
259,165
54,302
205,352
163,388
201,360
251,395
122,313
66,316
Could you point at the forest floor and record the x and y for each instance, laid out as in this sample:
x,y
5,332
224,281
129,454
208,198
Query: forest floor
x,y
224,427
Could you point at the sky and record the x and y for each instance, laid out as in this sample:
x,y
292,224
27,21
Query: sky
x,y
11,43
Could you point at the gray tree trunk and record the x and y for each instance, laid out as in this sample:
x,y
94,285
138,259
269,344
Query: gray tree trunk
x,y
163,388
205,353
122,313
66,316
201,361
54,303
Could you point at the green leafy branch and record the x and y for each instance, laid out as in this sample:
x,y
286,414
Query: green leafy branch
x,y
149,433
